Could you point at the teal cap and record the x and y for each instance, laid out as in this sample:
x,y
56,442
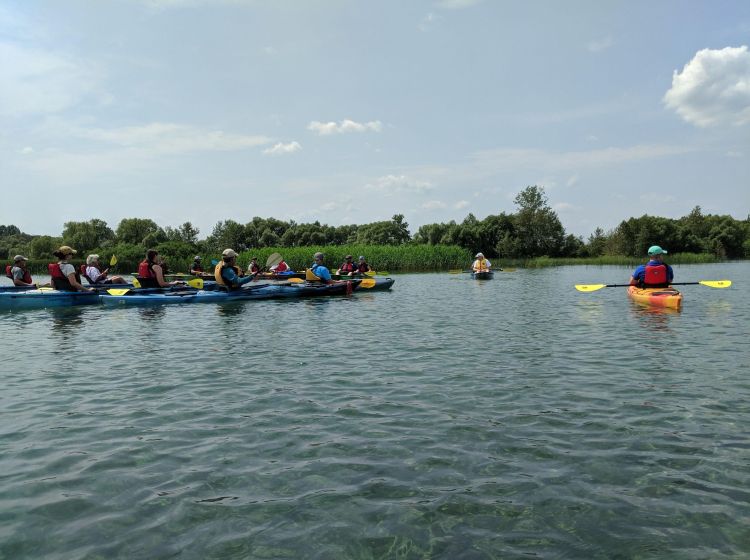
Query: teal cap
x,y
656,250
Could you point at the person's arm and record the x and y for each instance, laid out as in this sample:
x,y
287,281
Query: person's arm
x,y
74,282
18,278
636,279
670,274
160,278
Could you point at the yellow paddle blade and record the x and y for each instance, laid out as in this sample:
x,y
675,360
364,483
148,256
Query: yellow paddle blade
x,y
136,283
310,276
113,261
716,283
367,283
589,287
455,271
119,291
196,283
376,273
507,270
296,280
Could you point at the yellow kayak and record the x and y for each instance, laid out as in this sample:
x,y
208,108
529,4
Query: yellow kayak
x,y
656,297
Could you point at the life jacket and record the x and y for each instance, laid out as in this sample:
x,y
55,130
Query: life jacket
x,y
254,267
655,276
310,275
482,264
26,274
59,280
196,267
281,267
348,267
220,278
146,275
364,267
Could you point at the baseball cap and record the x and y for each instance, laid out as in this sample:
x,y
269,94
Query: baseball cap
x,y
656,250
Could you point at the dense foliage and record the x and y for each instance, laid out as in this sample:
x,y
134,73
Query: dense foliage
x,y
533,231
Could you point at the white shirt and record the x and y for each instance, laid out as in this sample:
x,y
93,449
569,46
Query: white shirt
x,y
93,273
66,269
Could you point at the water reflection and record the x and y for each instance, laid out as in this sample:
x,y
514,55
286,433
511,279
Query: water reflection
x,y
155,314
654,318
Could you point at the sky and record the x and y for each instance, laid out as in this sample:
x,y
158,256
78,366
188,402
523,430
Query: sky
x,y
348,112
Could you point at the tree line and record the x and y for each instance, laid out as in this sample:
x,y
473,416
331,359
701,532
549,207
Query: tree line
x,y
534,230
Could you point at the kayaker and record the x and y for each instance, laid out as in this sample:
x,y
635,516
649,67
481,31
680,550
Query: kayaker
x,y
347,268
279,268
151,273
64,274
319,272
362,266
253,267
96,274
481,264
196,268
18,272
655,273
228,274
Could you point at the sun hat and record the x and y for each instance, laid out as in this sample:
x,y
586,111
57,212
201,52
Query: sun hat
x,y
348,257
478,255
228,253
65,250
361,257
656,250
20,258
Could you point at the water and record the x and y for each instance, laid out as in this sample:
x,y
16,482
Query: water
x,y
448,418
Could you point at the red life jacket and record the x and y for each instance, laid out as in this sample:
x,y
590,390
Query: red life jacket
x,y
146,275
254,267
655,276
26,274
60,281
363,267
281,267
348,267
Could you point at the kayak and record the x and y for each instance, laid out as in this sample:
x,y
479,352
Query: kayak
x,y
381,284
255,292
656,297
483,275
45,297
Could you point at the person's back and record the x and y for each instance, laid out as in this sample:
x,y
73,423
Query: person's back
x,y
655,273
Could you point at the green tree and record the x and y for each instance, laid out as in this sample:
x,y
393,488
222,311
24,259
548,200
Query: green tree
x,y
86,236
538,230
135,230
43,246
392,232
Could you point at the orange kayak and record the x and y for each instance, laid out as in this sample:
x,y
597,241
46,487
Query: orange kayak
x,y
656,297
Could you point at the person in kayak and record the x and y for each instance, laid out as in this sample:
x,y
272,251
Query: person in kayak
x,y
253,267
64,274
228,274
319,272
95,273
481,264
19,273
279,268
196,269
362,266
655,273
347,268
151,273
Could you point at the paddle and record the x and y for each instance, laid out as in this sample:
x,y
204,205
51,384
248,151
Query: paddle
x,y
112,261
378,273
709,283
367,283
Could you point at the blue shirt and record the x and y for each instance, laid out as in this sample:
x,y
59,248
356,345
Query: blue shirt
x,y
321,272
640,272
231,278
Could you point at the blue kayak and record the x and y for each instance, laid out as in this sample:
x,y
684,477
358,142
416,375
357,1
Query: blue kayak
x,y
255,292
483,275
45,297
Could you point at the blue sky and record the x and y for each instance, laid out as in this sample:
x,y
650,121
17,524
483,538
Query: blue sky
x,y
352,111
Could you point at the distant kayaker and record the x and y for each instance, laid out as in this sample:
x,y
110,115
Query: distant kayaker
x,y
320,272
347,268
481,264
253,267
151,273
97,274
18,272
64,274
655,273
279,268
196,268
362,266
228,274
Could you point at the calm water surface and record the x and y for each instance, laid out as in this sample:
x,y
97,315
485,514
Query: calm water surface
x,y
449,418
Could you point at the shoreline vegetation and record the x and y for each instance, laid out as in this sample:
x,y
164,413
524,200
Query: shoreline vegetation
x,y
531,237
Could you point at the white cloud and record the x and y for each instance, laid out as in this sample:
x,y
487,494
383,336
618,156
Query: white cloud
x,y
713,88
280,149
35,81
342,127
170,138
434,205
599,45
399,183
461,204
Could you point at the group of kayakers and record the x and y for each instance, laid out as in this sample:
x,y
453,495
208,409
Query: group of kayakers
x,y
151,274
